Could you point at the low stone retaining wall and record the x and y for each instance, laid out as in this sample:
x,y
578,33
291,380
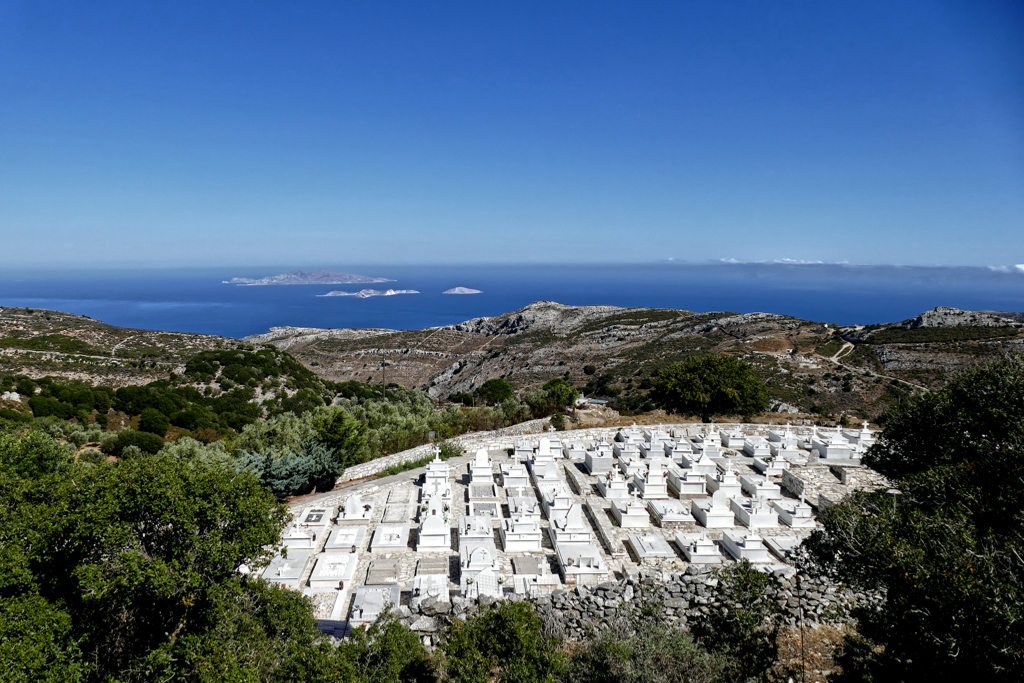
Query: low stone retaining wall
x,y
574,614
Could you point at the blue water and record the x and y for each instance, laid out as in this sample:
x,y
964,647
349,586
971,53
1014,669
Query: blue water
x,y
195,300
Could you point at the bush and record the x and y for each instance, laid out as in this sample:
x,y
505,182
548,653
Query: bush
x,y
144,441
503,644
154,422
92,456
643,649
707,385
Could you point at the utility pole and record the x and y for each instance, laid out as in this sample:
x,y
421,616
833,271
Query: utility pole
x,y
384,374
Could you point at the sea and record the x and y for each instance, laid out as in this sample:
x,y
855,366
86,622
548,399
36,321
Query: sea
x,y
198,300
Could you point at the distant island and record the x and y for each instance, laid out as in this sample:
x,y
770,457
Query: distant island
x,y
462,290
366,293
302,277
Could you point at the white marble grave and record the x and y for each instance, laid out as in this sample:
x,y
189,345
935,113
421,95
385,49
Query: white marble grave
x,y
669,513
613,486
287,571
754,513
745,546
687,483
794,513
429,586
390,538
714,512
631,514
371,601
356,510
345,539
521,535
755,485
698,548
650,546
652,484
333,570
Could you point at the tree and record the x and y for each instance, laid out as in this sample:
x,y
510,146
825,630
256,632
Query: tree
x,y
495,391
946,549
644,649
503,644
708,385
560,393
33,454
111,570
154,422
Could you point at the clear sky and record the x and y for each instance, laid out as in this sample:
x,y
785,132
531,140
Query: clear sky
x,y
219,133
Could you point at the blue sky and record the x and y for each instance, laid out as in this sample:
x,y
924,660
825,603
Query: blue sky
x,y
181,133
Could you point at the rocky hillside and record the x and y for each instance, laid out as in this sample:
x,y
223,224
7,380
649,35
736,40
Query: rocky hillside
x,y
614,352
38,342
607,351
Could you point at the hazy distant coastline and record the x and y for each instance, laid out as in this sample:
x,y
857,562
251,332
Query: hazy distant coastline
x,y
302,277
366,293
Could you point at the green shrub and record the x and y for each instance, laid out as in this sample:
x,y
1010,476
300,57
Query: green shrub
x,y
154,422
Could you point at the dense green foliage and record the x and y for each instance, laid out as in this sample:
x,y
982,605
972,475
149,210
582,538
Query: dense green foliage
x,y
504,644
708,385
947,547
495,391
644,649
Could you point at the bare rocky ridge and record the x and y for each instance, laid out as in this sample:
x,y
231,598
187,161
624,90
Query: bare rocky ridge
x,y
943,316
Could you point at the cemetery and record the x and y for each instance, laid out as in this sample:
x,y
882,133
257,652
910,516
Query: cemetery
x,y
533,517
